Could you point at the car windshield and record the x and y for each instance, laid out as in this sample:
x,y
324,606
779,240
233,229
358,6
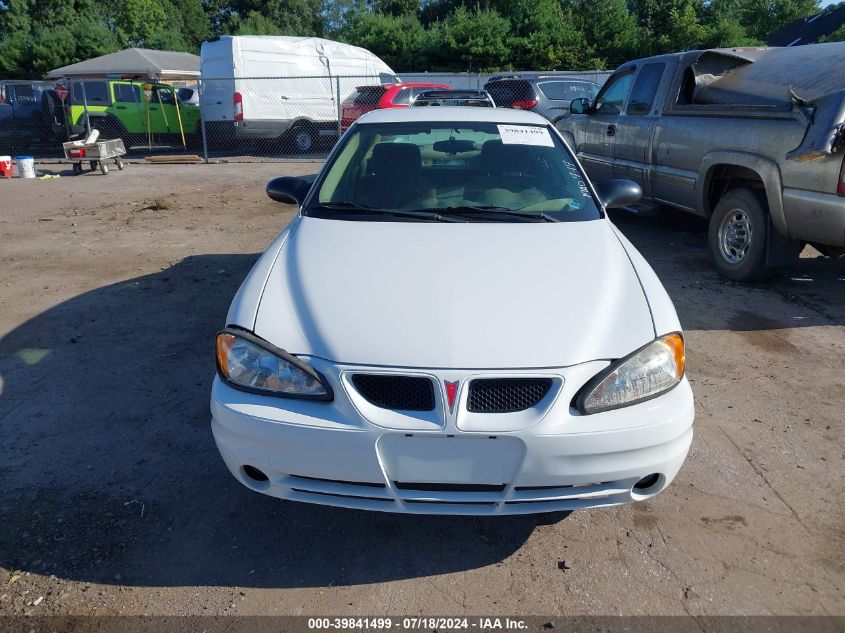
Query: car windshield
x,y
468,171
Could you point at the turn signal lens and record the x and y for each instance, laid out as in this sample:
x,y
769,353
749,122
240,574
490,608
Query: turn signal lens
x,y
647,373
224,348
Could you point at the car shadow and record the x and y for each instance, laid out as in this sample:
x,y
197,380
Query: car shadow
x,y
110,474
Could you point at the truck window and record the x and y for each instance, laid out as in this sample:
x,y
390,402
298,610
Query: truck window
x,y
645,88
24,94
127,93
96,93
164,95
612,96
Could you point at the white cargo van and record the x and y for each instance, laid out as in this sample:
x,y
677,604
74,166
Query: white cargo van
x,y
268,87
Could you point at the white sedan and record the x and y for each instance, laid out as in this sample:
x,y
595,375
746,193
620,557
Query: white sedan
x,y
421,339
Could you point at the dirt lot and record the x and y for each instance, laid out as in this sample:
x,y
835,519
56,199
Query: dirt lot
x,y
114,499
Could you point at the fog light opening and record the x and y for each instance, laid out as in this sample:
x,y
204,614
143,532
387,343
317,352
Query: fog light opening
x,y
648,486
647,482
255,474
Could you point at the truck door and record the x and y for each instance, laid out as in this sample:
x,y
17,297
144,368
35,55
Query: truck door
x,y
597,148
6,112
635,126
128,107
163,117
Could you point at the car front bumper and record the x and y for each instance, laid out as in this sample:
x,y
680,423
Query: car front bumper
x,y
332,453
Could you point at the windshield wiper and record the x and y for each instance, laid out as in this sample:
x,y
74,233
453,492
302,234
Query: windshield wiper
x,y
488,211
426,214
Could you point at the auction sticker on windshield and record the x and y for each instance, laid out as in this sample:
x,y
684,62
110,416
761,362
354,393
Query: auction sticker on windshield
x,y
525,135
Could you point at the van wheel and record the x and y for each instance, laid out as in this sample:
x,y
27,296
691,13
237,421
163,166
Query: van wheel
x,y
304,138
736,236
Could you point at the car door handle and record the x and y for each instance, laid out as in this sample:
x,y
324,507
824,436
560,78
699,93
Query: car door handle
x,y
611,130
120,107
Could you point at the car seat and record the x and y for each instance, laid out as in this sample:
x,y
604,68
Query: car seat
x,y
396,180
509,176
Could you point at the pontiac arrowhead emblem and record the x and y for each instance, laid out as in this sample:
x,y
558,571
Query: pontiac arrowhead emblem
x,y
451,392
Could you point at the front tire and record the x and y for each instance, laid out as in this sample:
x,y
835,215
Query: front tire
x,y
737,235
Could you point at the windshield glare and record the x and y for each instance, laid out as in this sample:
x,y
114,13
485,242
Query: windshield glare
x,y
442,166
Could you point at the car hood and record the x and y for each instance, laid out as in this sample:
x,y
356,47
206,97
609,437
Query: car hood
x,y
454,295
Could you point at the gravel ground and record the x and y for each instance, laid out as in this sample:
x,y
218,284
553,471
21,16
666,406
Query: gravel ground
x,y
113,498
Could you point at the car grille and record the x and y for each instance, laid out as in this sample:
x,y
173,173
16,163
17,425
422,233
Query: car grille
x,y
405,393
506,395
424,498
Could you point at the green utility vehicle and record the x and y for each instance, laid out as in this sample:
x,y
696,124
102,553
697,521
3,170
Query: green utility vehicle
x,y
139,113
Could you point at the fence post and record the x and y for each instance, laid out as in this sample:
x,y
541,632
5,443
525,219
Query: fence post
x,y
85,108
339,109
202,122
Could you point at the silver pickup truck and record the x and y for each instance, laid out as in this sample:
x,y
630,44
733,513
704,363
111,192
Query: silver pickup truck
x,y
750,138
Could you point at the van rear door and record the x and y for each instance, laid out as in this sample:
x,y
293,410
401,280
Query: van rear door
x,y
218,84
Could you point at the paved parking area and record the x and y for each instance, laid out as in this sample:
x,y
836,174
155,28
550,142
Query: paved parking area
x,y
113,498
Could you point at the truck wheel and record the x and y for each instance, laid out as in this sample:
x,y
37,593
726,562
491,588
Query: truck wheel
x,y
111,130
304,138
737,236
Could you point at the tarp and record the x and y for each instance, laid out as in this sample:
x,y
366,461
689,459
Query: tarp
x,y
135,63
811,78
810,71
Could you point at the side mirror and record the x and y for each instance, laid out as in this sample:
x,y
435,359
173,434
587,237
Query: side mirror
x,y
290,189
617,193
580,106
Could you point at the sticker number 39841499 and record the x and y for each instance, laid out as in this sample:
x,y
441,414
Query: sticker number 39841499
x,y
525,135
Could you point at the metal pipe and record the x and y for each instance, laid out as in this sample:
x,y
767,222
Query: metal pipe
x,y
202,121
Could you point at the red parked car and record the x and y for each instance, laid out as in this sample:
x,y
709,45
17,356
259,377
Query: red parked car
x,y
366,98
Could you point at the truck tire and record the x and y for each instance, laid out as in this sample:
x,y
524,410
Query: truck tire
x,y
110,129
736,235
303,138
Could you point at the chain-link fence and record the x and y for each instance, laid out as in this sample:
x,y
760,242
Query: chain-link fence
x,y
252,118
31,118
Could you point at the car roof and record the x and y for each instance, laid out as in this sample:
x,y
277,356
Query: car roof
x,y
423,84
404,84
454,94
529,78
457,113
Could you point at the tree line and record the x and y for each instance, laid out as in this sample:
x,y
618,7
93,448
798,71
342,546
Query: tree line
x,y
435,35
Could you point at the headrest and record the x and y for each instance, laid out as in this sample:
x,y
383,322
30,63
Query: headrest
x,y
396,157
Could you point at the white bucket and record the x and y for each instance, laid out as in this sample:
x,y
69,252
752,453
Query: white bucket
x,y
26,166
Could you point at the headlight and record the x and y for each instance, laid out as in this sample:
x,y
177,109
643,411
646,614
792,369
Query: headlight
x,y
646,373
246,362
